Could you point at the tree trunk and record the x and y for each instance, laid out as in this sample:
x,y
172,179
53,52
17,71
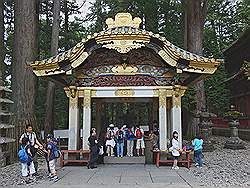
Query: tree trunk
x,y
24,50
66,24
49,120
195,14
2,51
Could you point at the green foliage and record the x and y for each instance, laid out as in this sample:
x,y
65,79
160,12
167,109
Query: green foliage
x,y
217,94
189,99
75,32
225,21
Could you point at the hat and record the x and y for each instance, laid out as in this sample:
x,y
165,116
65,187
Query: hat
x,y
124,126
49,136
56,139
111,125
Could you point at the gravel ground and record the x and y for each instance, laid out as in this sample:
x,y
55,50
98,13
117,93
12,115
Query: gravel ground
x,y
11,175
224,167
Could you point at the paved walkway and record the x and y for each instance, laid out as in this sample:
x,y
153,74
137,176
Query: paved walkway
x,y
107,176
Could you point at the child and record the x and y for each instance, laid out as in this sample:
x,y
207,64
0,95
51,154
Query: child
x,y
25,157
51,148
175,150
197,143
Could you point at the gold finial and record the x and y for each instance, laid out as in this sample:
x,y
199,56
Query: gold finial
x,y
123,19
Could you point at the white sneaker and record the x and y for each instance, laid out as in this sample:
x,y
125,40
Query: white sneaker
x,y
176,168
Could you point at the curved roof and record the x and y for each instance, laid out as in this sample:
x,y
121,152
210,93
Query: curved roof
x,y
123,34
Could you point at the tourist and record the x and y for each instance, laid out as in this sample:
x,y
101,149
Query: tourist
x,y
197,143
25,157
33,142
51,157
130,137
94,150
153,139
119,139
175,150
139,134
110,142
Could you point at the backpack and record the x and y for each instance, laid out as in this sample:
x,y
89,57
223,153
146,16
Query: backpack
x,y
130,135
138,134
23,155
56,151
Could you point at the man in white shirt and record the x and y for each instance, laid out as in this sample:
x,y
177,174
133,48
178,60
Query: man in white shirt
x,y
33,142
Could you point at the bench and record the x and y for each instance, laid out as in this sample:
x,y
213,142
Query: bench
x,y
186,162
82,153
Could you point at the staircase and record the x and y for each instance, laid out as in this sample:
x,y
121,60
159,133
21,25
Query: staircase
x,y
124,160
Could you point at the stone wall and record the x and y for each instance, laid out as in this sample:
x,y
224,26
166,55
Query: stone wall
x,y
244,134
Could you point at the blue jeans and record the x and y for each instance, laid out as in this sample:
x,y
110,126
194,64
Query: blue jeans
x,y
120,149
198,157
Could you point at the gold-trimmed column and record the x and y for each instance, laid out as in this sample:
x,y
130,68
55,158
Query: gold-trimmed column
x,y
163,119
74,127
178,92
86,118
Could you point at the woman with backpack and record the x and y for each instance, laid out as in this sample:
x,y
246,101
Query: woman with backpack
x,y
25,157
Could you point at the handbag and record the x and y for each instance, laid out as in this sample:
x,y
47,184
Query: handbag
x,y
101,152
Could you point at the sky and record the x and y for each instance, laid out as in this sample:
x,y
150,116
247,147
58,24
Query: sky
x,y
85,8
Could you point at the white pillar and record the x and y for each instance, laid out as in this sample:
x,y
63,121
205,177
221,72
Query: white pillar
x,y
163,119
86,118
176,112
74,132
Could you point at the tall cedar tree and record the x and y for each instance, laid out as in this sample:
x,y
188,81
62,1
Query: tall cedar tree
x,y
2,51
195,15
24,50
49,105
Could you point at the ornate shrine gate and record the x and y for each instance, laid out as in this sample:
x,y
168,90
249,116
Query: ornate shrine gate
x,y
124,61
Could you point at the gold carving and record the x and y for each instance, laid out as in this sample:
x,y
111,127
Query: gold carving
x,y
167,58
178,92
162,98
124,46
123,19
124,92
73,102
155,92
87,99
124,69
73,91
93,93
176,101
79,60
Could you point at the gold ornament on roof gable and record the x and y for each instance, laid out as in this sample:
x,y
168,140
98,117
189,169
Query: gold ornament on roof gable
x,y
123,19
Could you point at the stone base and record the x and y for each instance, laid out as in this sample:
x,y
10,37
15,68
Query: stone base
x,y
235,143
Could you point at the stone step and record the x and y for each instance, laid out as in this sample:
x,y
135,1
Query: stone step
x,y
124,160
